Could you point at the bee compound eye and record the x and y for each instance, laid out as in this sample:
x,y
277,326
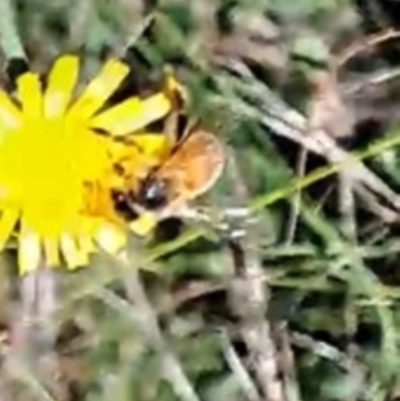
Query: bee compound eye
x,y
153,193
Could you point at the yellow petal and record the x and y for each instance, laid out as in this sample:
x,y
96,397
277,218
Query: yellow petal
x,y
110,238
8,220
51,252
99,89
152,144
70,252
82,249
61,83
85,244
144,224
132,114
30,95
29,252
10,116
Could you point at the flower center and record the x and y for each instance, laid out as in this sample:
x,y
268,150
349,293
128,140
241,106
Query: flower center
x,y
41,171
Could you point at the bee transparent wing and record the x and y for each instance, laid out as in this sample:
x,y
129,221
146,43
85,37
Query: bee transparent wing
x,y
196,165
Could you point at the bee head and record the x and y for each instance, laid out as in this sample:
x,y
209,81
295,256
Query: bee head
x,y
152,193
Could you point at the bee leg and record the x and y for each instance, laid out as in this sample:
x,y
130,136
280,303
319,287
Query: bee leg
x,y
195,214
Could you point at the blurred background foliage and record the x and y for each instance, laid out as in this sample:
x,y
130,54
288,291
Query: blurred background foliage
x,y
332,294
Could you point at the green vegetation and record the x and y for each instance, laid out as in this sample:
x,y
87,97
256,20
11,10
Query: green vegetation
x,y
235,310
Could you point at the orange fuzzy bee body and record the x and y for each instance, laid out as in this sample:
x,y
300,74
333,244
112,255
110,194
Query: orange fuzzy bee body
x,y
190,168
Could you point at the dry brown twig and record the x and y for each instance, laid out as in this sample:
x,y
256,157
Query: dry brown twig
x,y
364,44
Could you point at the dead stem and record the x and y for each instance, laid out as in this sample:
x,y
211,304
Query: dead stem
x,y
38,302
33,331
151,331
362,45
242,375
347,207
249,301
289,374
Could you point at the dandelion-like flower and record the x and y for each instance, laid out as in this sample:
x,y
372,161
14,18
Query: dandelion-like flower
x,y
53,160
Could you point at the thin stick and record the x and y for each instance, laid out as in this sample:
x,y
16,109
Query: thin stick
x,y
242,375
347,207
151,331
290,382
321,348
360,46
249,300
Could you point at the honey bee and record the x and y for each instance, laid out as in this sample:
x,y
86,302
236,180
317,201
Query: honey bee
x,y
189,169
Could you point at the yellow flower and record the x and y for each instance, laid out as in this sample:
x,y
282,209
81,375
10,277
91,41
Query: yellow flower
x,y
53,162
